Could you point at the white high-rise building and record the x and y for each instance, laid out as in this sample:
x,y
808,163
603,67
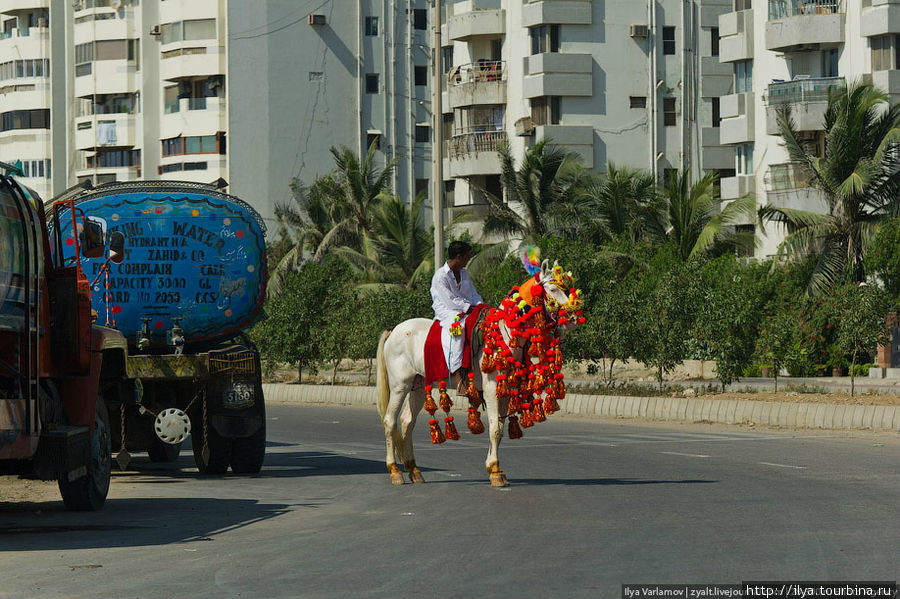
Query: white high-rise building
x,y
793,52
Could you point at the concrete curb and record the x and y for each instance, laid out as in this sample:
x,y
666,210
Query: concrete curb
x,y
792,415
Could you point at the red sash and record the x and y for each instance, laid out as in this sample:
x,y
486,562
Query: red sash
x,y
436,358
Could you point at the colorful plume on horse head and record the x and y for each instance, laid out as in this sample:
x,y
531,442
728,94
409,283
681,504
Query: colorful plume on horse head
x,y
531,259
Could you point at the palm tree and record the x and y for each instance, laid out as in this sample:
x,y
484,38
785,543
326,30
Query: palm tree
x,y
694,222
536,192
622,203
859,176
401,250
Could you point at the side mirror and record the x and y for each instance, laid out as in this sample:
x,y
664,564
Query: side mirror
x,y
92,239
116,247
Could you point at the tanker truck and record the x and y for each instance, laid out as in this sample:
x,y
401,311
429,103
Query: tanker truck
x,y
193,280
57,369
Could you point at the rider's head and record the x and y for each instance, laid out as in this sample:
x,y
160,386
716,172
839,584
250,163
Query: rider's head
x,y
458,253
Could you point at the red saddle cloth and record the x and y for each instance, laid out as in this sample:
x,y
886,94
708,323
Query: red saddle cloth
x,y
436,368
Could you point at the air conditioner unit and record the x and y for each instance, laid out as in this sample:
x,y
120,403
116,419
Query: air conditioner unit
x,y
524,126
316,19
638,31
155,31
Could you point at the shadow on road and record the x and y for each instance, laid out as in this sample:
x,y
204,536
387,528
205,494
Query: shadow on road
x,y
130,522
604,481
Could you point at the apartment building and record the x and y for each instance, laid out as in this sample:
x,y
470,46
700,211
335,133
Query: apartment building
x,y
793,52
113,90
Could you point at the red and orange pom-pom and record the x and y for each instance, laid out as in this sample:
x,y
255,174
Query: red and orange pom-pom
x,y
502,390
476,426
471,391
437,437
430,406
515,431
526,419
446,402
551,406
537,411
451,429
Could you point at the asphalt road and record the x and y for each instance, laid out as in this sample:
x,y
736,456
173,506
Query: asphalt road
x,y
592,505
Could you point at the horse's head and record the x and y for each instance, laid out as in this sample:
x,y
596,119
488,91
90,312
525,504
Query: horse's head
x,y
554,290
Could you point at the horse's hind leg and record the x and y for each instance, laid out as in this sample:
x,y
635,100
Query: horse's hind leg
x,y
392,435
408,414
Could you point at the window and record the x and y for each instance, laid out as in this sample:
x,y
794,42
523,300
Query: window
x,y
114,159
420,18
638,101
447,128
373,138
423,133
670,116
84,53
545,110
197,144
110,50
882,56
447,58
372,83
371,25
421,75
743,4
716,112
714,41
544,38
743,159
422,187
198,29
668,40
25,119
743,76
830,63
36,168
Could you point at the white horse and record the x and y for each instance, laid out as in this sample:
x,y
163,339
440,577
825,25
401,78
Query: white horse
x,y
401,384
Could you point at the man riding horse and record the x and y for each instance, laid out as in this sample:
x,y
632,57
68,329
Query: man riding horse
x,y
454,295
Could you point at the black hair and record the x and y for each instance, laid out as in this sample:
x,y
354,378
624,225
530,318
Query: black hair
x,y
458,248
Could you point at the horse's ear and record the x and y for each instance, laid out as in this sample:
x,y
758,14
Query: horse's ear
x,y
545,268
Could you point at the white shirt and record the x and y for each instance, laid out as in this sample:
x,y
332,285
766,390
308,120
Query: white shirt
x,y
449,297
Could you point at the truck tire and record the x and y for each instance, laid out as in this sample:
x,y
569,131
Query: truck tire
x,y
161,451
88,493
249,452
219,451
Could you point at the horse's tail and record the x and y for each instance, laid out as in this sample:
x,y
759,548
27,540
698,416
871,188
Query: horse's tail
x,y
382,385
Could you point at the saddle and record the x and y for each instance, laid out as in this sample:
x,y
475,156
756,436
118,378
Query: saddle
x,y
436,368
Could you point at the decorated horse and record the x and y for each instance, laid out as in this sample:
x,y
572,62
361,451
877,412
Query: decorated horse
x,y
515,360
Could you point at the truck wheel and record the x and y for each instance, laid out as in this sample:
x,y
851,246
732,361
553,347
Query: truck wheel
x,y
89,492
248,453
219,451
161,451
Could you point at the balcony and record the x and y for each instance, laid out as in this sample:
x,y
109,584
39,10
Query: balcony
x,y
193,116
787,186
808,99
716,78
562,12
738,121
183,62
476,23
111,77
482,82
732,188
558,74
888,81
28,42
801,24
571,138
474,153
108,130
881,18
714,154
736,36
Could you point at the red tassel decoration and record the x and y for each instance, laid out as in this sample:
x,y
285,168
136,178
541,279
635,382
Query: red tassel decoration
x,y
437,437
430,406
526,419
471,391
451,429
557,358
446,402
487,362
515,431
476,426
502,391
513,402
537,411
551,406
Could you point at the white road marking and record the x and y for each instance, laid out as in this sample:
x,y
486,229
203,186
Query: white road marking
x,y
783,465
687,455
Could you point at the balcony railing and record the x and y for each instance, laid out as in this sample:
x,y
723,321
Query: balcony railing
x,y
474,142
804,90
196,103
787,176
781,9
477,72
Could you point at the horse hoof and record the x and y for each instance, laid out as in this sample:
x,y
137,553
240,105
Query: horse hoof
x,y
498,479
396,478
416,477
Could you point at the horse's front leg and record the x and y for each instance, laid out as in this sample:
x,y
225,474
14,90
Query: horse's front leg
x,y
495,408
